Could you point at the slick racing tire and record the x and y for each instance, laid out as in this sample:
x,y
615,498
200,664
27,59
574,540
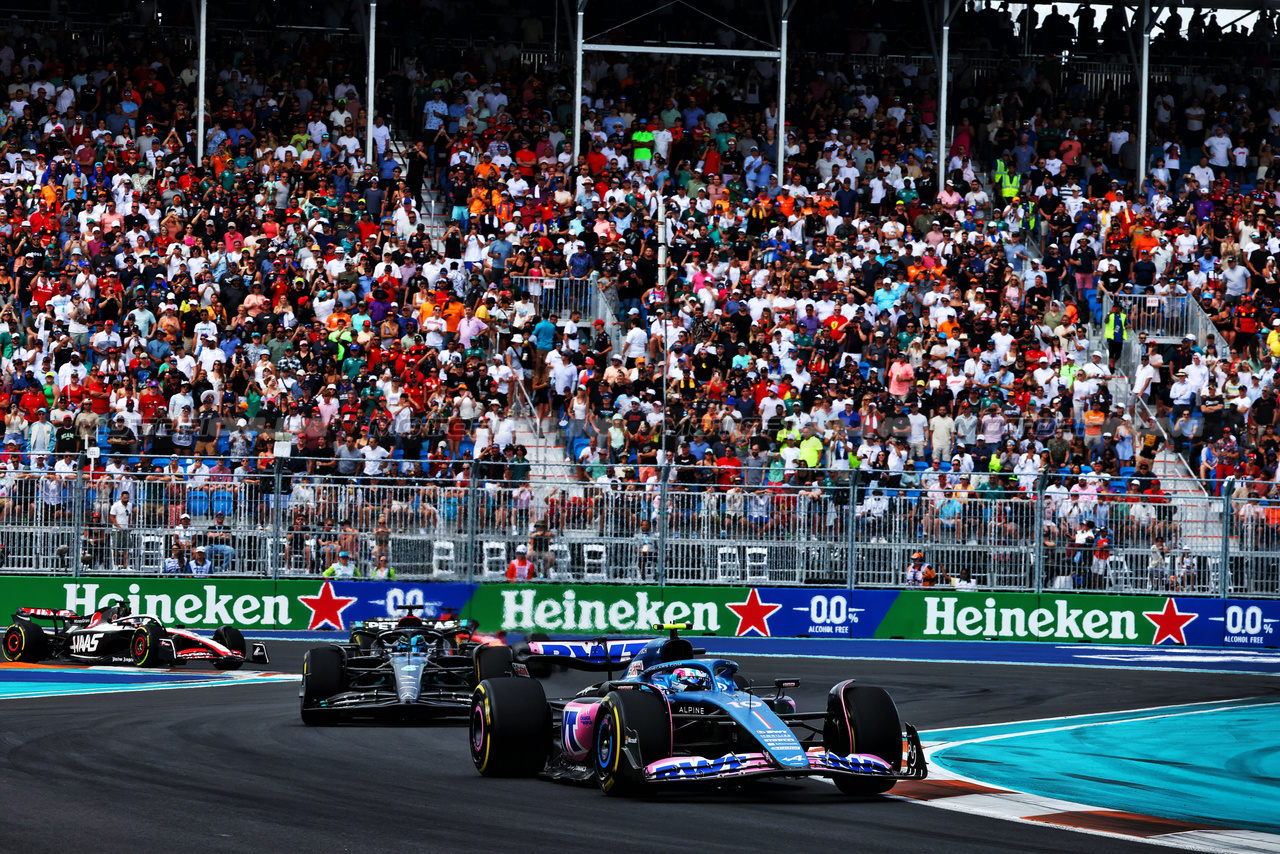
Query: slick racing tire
x,y
25,643
863,719
510,730
230,637
322,677
145,645
620,715
491,662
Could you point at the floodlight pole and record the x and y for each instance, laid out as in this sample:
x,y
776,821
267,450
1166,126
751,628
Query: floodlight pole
x,y
1144,106
942,94
577,85
202,58
368,107
781,136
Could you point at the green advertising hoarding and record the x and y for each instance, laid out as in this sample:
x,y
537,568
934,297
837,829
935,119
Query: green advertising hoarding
x,y
249,604
943,613
949,615
932,614
192,602
602,608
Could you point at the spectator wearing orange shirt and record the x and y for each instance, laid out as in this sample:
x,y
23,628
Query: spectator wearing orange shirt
x,y
1093,421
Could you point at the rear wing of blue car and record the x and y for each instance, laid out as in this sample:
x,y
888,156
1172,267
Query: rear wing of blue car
x,y
602,654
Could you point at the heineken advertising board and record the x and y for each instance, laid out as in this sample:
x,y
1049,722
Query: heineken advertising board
x,y
247,603
940,614
586,609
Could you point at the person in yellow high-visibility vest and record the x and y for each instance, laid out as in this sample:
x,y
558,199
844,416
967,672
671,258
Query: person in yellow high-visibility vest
x,y
1008,184
1116,331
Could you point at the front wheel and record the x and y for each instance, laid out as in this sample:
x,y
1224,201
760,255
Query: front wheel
x,y
510,729
322,677
232,639
863,719
25,643
619,760
145,647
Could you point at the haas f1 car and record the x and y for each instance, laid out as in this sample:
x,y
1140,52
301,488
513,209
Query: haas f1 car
x,y
114,635
405,670
675,718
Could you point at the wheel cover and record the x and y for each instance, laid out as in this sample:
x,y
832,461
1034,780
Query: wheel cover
x,y
13,643
478,732
605,744
140,646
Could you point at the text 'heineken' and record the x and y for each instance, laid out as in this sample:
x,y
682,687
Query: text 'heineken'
x,y
943,618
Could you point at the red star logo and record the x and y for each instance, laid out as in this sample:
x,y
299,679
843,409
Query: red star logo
x,y
753,615
326,607
1169,623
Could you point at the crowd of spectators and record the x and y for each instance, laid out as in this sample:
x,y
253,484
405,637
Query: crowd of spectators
x,y
864,310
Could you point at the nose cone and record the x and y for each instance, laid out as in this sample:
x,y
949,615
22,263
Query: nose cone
x,y
408,672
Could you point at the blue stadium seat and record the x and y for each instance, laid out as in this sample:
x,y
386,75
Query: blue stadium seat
x,y
223,501
198,503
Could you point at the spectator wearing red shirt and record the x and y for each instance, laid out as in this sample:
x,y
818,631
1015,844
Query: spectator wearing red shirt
x,y
521,569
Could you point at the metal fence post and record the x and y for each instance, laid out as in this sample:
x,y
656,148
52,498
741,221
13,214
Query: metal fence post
x,y
662,526
851,559
1224,573
78,506
273,548
1037,563
472,525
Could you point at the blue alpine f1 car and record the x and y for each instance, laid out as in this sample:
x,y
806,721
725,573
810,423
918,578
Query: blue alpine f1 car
x,y
676,718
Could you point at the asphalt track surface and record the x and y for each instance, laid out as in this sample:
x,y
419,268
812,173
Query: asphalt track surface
x,y
232,769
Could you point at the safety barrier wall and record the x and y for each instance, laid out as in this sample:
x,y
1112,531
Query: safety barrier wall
x,y
942,613
620,524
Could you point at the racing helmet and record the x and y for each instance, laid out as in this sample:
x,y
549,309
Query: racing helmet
x,y
690,679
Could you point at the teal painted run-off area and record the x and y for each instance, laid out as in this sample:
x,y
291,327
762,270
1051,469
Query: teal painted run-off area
x,y
1212,763
24,682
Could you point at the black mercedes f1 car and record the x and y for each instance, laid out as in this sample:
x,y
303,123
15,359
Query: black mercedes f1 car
x,y
406,670
114,635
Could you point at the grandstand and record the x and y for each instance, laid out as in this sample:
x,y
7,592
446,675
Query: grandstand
x,y
569,267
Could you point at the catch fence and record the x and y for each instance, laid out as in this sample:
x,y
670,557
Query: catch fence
x,y
622,524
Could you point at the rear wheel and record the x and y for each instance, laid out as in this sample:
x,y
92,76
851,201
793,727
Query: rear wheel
x,y
322,677
510,731
620,716
25,642
863,719
491,662
232,639
145,646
